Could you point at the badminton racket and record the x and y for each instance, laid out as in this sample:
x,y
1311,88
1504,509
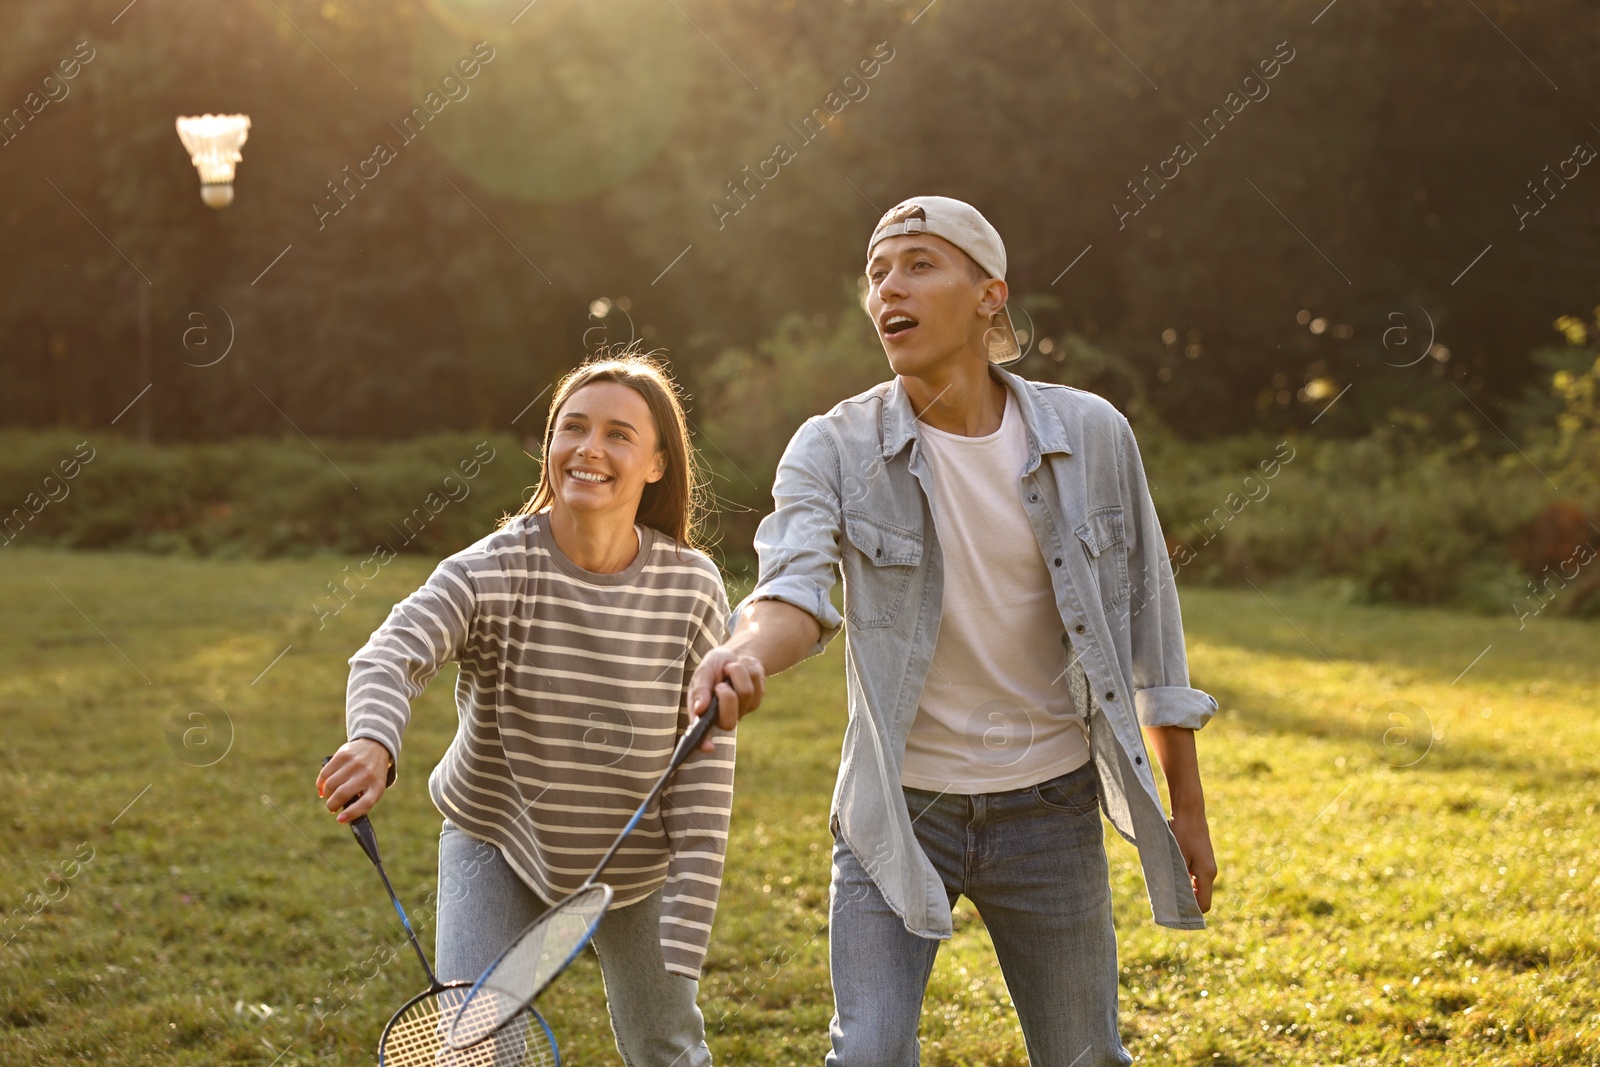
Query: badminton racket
x,y
414,1035
544,948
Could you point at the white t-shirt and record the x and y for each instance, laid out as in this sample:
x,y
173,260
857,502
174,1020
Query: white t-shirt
x,y
1002,707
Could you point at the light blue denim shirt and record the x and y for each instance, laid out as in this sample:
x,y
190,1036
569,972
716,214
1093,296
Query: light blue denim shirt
x,y
852,497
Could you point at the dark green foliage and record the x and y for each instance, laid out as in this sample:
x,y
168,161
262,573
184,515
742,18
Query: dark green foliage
x,y
261,498
593,149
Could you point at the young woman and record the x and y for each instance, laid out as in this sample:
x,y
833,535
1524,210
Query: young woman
x,y
577,626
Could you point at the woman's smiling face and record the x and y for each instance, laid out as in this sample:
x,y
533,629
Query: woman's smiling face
x,y
604,449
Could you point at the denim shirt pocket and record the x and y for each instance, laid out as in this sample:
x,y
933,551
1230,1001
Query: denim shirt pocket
x,y
1103,539
877,566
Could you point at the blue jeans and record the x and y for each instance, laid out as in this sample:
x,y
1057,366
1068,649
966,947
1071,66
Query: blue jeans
x,y
1033,862
483,905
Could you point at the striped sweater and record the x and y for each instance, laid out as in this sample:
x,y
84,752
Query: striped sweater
x,y
571,695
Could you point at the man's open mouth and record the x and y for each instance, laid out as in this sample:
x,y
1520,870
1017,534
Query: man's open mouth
x,y
897,323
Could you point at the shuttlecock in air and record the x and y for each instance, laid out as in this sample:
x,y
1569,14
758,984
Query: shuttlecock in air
x,y
213,142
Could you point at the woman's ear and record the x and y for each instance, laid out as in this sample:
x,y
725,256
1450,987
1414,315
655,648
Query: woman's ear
x,y
659,470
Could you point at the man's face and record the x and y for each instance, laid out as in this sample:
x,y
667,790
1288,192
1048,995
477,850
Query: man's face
x,y
926,305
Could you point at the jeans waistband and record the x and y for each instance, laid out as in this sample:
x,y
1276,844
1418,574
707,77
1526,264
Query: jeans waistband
x,y
929,794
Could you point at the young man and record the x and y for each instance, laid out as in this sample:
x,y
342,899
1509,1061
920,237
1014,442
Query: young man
x,y
1010,624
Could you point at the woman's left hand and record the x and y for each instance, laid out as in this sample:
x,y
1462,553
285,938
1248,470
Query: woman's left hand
x,y
356,775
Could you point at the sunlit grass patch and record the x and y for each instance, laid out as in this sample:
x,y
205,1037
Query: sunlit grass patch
x,y
1405,823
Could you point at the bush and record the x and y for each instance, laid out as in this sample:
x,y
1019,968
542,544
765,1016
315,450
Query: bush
x,y
756,401
1391,516
258,498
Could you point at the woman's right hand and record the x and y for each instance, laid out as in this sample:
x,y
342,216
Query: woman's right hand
x,y
358,770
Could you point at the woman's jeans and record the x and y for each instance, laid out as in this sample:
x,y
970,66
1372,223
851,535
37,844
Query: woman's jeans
x,y
483,905
1033,862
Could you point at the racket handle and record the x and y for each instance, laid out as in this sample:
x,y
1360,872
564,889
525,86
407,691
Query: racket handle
x,y
367,837
696,734
361,827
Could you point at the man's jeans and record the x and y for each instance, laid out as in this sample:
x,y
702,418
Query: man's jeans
x,y
483,905
1033,861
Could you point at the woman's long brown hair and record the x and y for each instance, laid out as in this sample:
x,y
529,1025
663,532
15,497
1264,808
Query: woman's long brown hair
x,y
672,505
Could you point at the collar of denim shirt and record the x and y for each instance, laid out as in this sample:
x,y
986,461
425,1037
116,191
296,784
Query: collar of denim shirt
x,y
900,424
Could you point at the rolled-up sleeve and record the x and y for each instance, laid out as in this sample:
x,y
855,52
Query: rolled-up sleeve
x,y
1162,695
798,543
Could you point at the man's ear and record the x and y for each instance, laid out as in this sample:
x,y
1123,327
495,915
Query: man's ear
x,y
994,297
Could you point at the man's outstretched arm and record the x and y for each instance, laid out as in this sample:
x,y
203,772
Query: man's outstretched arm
x,y
772,637
1174,748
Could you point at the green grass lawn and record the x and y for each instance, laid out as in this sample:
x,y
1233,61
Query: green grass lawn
x,y
1408,853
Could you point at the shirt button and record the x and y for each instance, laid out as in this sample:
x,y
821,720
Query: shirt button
x,y
1034,498
1110,695
1058,561
1080,627
1139,760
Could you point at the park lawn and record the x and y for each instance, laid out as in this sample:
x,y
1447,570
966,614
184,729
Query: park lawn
x,y
1409,852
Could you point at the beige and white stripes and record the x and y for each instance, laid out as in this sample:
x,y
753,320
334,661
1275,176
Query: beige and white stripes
x,y
571,697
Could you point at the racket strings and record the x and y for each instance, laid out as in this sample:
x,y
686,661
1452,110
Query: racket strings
x,y
540,953
416,1036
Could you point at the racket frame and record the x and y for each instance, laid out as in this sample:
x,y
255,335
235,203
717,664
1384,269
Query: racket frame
x,y
383,1041
367,837
698,731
